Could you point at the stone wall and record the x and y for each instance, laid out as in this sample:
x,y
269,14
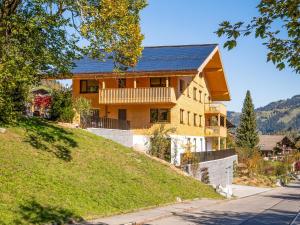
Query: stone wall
x,y
220,171
124,137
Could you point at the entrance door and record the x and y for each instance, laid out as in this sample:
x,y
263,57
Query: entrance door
x,y
122,114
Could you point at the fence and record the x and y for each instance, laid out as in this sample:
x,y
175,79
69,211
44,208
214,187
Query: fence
x,y
206,156
104,122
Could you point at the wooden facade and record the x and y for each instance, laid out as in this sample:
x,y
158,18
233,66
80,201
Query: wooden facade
x,y
185,100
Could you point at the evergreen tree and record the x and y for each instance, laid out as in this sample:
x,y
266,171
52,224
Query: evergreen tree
x,y
247,136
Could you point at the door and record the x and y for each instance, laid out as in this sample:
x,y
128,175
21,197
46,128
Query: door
x,y
122,114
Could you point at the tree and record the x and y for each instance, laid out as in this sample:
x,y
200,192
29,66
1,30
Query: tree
x,y
82,107
283,44
247,136
41,38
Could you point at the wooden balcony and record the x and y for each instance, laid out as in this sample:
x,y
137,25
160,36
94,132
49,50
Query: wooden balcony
x,y
137,95
215,131
215,108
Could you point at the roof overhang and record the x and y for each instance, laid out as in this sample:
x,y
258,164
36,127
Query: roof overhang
x,y
163,73
213,71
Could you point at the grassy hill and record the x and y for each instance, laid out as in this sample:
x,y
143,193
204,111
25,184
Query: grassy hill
x,y
49,173
279,116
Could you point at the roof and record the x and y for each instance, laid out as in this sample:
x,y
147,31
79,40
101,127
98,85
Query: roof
x,y
157,58
269,142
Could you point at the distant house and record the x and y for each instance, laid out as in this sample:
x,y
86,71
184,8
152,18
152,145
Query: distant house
x,y
273,145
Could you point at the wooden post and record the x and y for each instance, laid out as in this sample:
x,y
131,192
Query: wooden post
x,y
219,143
134,83
219,120
167,81
103,84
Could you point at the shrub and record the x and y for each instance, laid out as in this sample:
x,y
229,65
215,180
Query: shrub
x,y
205,175
61,108
160,142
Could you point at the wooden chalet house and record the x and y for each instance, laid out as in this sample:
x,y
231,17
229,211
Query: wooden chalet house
x,y
179,86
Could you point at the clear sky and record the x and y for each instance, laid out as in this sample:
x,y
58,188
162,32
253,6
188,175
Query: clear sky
x,y
172,22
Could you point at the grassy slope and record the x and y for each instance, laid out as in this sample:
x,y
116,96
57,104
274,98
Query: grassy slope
x,y
49,173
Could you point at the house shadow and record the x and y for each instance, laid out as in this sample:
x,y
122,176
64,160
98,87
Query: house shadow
x,y
47,137
33,212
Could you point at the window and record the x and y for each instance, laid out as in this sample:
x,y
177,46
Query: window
x,y
181,86
188,143
159,115
195,144
200,121
200,96
201,144
89,86
181,116
158,82
122,83
195,94
195,119
188,90
188,118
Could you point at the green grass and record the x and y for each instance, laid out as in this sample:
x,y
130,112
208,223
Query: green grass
x,y
49,173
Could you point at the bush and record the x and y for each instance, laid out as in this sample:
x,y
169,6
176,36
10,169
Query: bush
x,y
61,108
160,143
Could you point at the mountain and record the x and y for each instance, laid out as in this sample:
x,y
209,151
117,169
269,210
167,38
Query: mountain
x,y
279,116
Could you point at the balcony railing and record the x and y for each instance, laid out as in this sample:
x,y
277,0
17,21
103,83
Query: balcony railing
x,y
137,95
206,156
215,108
103,122
215,131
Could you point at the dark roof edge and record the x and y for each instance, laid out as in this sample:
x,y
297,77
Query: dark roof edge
x,y
187,45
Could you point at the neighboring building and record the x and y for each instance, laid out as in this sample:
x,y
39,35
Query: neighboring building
x,y
180,86
273,145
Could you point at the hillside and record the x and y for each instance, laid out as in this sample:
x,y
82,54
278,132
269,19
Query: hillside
x,y
275,117
49,173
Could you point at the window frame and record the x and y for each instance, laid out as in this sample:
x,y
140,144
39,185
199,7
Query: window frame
x,y
188,118
181,116
195,93
87,87
158,113
195,119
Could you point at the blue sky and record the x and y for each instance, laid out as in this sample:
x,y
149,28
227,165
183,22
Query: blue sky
x,y
166,22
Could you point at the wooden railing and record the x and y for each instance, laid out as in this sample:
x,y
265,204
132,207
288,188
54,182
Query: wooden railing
x,y
137,95
103,122
215,108
215,131
206,156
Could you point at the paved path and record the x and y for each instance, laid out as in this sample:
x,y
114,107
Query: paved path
x,y
278,206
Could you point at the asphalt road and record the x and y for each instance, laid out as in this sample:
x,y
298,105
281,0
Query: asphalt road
x,y
280,206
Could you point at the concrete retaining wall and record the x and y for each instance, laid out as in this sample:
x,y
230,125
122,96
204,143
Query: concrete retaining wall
x,y
124,137
220,171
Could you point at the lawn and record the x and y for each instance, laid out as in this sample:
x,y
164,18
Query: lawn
x,y
51,174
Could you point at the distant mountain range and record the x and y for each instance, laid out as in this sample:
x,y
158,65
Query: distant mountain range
x,y
279,116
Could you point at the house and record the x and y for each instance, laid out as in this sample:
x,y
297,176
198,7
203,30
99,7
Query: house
x,y
273,145
179,86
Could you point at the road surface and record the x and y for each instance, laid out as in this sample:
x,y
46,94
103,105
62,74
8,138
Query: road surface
x,y
280,206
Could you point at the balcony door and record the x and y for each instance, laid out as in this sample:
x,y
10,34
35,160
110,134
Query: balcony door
x,y
122,114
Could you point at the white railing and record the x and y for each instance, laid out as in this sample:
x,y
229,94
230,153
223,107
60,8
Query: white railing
x,y
137,95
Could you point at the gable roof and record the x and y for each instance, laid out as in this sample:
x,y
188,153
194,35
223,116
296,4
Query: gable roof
x,y
157,58
269,142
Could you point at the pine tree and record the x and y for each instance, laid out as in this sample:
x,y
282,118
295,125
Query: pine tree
x,y
247,136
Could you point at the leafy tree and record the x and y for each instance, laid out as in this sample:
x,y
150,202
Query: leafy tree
x,y
40,38
61,108
247,136
82,107
283,44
